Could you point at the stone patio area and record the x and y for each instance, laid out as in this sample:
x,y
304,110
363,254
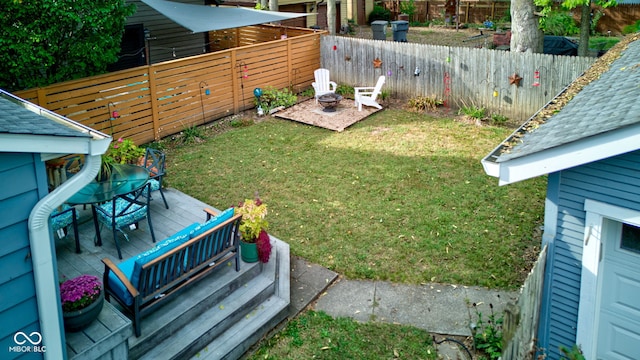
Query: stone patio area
x,y
308,112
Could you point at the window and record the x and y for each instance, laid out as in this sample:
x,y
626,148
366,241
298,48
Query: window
x,y
630,238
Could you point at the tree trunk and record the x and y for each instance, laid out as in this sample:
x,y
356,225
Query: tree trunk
x,y
273,5
331,16
525,35
585,29
264,4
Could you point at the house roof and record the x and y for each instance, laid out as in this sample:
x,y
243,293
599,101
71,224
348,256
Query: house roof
x,y
17,119
600,121
26,127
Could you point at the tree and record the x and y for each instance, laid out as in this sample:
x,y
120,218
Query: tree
x,y
585,17
48,41
331,16
525,33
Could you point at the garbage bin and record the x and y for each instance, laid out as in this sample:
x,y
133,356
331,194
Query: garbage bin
x,y
379,28
400,28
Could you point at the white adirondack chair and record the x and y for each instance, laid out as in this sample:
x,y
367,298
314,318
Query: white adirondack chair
x,y
323,85
367,95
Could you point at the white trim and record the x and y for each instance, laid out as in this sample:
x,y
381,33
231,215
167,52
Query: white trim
x,y
570,155
596,212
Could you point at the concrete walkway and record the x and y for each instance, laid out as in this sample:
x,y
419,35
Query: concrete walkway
x,y
436,308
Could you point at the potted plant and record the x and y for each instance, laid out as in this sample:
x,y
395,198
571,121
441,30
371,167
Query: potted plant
x,y
121,151
254,239
82,299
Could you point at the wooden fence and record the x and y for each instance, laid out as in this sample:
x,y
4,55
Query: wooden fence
x,y
459,76
521,320
470,11
152,102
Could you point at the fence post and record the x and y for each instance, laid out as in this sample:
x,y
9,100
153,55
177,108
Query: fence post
x,y
234,81
42,97
153,93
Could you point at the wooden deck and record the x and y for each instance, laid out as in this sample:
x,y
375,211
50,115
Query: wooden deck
x,y
183,211
187,323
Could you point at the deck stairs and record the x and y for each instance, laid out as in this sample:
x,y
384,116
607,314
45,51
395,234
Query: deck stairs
x,y
221,316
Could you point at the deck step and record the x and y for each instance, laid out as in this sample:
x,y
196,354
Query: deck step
x,y
237,339
187,306
222,318
213,322
242,335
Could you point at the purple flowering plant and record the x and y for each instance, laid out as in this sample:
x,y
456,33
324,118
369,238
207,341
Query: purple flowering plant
x,y
79,292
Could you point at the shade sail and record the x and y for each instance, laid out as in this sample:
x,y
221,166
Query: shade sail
x,y
201,18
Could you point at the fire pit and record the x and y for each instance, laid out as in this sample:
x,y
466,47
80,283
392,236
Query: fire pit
x,y
329,101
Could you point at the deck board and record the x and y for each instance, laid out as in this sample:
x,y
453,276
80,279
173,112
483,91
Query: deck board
x,y
183,211
112,326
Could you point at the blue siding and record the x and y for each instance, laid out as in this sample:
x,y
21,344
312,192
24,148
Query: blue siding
x,y
615,181
23,184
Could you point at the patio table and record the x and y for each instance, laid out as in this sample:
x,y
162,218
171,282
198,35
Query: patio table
x,y
124,179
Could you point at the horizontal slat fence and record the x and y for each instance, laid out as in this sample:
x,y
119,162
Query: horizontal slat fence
x,y
162,99
459,76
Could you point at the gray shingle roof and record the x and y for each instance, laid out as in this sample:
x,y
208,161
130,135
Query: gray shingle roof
x,y
608,103
16,119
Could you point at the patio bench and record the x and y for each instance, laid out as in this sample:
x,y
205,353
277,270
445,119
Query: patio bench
x,y
142,282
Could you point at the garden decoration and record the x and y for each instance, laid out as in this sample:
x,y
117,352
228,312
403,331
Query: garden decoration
x,y
416,72
113,114
515,79
536,78
82,299
390,70
257,92
254,240
207,92
377,63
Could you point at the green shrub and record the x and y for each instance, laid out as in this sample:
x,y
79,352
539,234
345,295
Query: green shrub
x,y
192,134
487,335
559,23
379,13
272,98
422,103
574,354
408,7
630,29
474,112
345,90
498,119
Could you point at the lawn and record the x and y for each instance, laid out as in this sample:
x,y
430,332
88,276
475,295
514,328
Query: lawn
x,y
399,196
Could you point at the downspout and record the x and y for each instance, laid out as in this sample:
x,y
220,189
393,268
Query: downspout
x,y
43,253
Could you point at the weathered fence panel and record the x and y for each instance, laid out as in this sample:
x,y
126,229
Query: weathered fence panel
x,y
521,319
459,76
151,102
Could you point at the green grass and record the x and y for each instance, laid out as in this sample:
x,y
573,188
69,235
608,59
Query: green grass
x,y
398,197
315,335
602,42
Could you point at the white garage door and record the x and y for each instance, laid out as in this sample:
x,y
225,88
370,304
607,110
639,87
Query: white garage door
x,y
618,333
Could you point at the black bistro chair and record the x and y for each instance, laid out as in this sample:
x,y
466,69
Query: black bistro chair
x,y
123,211
154,161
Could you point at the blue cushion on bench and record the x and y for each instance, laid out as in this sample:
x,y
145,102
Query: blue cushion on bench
x,y
213,222
117,286
132,266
